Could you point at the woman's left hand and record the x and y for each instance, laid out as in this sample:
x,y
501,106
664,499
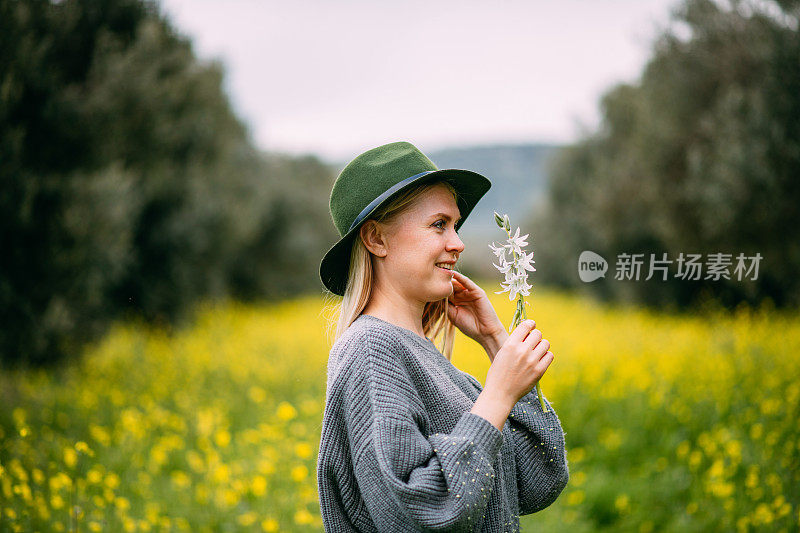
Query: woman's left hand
x,y
471,311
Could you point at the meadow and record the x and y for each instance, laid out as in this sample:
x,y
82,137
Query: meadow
x,y
672,422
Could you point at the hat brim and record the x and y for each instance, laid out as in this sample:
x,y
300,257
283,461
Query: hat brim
x,y
470,187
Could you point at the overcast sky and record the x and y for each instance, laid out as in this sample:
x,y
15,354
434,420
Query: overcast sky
x,y
336,78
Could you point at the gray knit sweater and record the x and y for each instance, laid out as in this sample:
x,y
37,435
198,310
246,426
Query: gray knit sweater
x,y
400,451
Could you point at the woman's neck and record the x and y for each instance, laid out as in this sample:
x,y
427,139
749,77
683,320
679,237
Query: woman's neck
x,y
406,318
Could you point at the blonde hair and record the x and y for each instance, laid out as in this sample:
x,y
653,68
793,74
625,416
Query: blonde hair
x,y
435,322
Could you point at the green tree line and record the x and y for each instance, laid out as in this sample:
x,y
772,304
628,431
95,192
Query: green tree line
x,y
128,187
701,155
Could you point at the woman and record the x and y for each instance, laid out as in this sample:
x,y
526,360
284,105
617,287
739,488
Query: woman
x,y
409,442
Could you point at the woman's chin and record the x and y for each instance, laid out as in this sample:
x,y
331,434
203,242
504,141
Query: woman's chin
x,y
445,291
441,285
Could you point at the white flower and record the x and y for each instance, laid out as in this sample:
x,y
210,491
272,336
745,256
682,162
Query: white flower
x,y
526,262
505,267
516,277
514,286
500,252
516,273
516,242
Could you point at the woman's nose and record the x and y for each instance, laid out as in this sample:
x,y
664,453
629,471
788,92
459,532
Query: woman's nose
x,y
455,244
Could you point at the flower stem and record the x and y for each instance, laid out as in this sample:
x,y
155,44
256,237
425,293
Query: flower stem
x,y
520,315
521,304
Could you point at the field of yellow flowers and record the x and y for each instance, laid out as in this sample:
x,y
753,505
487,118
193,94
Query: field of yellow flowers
x,y
672,422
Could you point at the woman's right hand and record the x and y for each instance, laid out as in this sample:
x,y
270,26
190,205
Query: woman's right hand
x,y
519,363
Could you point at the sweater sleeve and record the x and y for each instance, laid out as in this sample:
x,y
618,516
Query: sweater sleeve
x,y
441,481
539,452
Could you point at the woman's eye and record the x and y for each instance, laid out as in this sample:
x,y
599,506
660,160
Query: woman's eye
x,y
441,222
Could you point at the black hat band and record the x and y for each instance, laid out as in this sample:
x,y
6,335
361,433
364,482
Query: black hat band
x,y
383,196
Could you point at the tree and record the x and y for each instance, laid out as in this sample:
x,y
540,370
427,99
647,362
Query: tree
x,y
701,156
127,184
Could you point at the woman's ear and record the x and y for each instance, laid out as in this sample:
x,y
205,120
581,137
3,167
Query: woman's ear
x,y
373,238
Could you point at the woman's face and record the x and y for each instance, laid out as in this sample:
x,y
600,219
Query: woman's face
x,y
414,242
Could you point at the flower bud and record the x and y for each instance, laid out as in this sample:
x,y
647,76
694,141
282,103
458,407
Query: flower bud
x,y
498,220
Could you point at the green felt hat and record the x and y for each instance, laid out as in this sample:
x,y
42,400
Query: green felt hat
x,y
376,177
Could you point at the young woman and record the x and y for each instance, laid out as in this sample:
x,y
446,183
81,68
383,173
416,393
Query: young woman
x,y
409,442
